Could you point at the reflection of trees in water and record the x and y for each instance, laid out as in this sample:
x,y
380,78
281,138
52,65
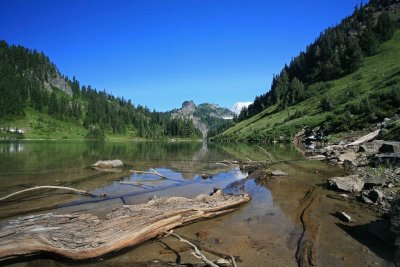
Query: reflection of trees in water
x,y
192,157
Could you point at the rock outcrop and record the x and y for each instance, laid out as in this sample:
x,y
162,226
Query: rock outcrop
x,y
351,183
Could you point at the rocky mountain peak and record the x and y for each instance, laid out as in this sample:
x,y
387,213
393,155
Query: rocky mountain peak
x,y
189,104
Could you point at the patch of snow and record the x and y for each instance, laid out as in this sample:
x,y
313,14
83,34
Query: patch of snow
x,y
238,106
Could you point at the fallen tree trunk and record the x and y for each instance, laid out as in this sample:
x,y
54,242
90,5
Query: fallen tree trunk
x,y
85,236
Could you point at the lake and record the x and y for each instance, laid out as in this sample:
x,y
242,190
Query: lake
x,y
265,232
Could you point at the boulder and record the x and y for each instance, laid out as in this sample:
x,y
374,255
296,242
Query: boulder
x,y
108,164
351,183
371,147
385,159
390,147
350,156
343,216
371,181
375,195
278,173
365,138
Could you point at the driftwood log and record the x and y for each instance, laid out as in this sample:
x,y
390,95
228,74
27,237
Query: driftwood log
x,y
85,236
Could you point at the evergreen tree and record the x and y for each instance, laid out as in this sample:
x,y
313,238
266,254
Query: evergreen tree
x,y
385,27
53,104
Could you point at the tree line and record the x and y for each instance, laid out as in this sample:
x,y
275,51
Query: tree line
x,y
338,51
25,81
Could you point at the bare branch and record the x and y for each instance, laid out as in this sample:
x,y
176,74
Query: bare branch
x,y
80,192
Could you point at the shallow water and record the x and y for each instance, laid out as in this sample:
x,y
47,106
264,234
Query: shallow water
x,y
265,232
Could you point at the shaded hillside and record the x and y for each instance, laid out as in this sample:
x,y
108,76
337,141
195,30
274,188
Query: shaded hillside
x,y
37,99
206,117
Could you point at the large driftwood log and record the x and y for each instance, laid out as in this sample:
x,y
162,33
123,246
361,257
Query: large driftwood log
x,y
85,236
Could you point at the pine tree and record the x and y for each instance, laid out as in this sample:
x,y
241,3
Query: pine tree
x,y
385,27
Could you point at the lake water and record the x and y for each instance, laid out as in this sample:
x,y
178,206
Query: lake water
x,y
265,232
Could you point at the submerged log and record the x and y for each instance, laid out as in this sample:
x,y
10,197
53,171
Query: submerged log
x,y
85,236
77,191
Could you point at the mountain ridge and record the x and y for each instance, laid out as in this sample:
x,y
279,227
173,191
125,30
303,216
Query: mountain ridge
x,y
205,116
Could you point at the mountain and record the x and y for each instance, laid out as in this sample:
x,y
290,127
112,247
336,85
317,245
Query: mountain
x,y
206,117
37,101
348,79
238,106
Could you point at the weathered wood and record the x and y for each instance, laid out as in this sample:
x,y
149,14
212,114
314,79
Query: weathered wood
x,y
85,236
197,253
81,192
152,172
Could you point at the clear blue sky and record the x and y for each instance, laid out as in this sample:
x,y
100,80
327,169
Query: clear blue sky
x,y
160,53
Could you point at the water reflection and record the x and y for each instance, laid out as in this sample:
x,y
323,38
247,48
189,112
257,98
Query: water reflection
x,y
14,147
67,163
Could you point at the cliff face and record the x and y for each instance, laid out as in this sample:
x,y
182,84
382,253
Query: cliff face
x,y
204,116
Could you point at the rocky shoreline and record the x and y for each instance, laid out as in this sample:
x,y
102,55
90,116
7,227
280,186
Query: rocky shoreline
x,y
372,177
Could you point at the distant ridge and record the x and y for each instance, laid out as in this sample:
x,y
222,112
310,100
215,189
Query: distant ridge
x,y
205,116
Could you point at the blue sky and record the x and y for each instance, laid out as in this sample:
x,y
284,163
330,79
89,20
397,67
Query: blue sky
x,y
160,53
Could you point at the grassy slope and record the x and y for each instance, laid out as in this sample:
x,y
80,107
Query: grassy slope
x,y
375,72
39,125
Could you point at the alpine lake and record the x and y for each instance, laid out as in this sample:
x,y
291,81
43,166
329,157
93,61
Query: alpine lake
x,y
267,231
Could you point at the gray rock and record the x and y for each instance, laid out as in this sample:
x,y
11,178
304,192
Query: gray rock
x,y
317,157
371,147
371,181
375,195
320,151
390,147
351,183
385,159
366,199
343,216
350,156
108,164
278,173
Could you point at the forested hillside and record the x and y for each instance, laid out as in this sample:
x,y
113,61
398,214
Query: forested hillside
x,y
345,80
35,97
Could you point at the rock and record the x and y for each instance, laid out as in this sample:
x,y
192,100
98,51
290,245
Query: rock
x,y
351,183
343,216
320,151
278,173
317,157
375,195
371,181
386,122
390,147
365,138
108,164
366,199
350,156
385,159
371,147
